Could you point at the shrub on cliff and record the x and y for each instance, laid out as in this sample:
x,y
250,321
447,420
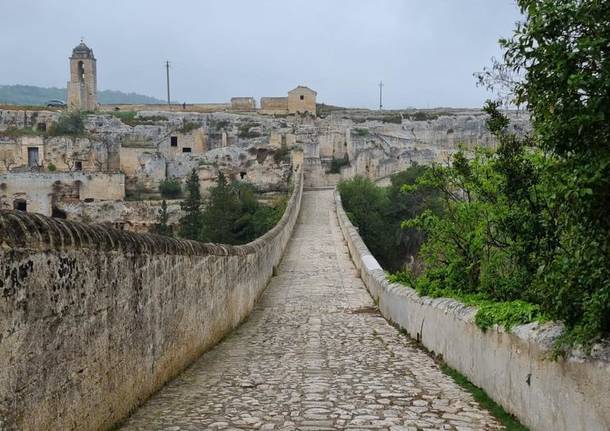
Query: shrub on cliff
x,y
170,188
190,225
337,164
379,211
161,227
69,123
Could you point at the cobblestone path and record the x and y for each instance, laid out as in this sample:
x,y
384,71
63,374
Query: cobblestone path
x,y
314,355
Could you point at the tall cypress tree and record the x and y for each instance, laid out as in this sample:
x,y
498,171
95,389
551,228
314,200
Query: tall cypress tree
x,y
191,223
161,227
222,209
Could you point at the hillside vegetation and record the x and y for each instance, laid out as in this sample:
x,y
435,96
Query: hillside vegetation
x,y
32,95
524,231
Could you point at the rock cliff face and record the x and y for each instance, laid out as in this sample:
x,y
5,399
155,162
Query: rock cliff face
x,y
377,145
152,146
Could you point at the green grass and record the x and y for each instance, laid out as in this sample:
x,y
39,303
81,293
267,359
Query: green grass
x,y
490,312
483,399
361,131
188,127
127,117
131,119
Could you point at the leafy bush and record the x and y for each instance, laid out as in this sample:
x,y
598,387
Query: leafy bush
x,y
161,227
423,116
265,217
393,119
51,167
126,117
170,188
490,312
69,123
378,212
529,226
361,131
507,314
281,155
188,127
131,118
337,164
245,132
231,214
218,125
510,235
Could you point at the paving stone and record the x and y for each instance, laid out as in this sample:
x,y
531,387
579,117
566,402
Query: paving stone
x,y
313,355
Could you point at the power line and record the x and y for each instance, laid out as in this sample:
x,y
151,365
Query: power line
x,y
380,95
167,75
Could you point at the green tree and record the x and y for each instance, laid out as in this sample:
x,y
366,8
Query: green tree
x,y
170,188
222,210
562,52
161,227
378,213
192,222
365,205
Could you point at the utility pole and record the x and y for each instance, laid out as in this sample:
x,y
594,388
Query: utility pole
x,y
380,95
167,70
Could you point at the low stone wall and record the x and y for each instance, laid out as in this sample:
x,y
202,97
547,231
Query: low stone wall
x,y
174,107
513,367
94,320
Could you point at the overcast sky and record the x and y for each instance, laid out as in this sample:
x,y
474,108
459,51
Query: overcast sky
x,y
425,51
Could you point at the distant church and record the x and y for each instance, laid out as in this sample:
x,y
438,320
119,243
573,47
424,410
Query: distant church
x,y
82,88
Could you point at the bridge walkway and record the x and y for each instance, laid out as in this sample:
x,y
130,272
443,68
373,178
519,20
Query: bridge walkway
x,y
314,355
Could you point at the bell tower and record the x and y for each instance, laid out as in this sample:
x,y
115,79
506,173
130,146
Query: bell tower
x,y
82,88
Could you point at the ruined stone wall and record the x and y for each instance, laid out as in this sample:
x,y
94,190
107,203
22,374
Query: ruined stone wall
x,y
271,105
37,188
94,320
25,118
514,367
243,104
63,153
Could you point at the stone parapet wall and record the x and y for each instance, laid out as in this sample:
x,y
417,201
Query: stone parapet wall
x,y
513,367
93,320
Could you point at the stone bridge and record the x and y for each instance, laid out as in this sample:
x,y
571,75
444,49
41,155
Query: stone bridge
x,y
315,354
102,329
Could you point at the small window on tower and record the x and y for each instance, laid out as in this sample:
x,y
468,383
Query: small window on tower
x,y
302,97
173,141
